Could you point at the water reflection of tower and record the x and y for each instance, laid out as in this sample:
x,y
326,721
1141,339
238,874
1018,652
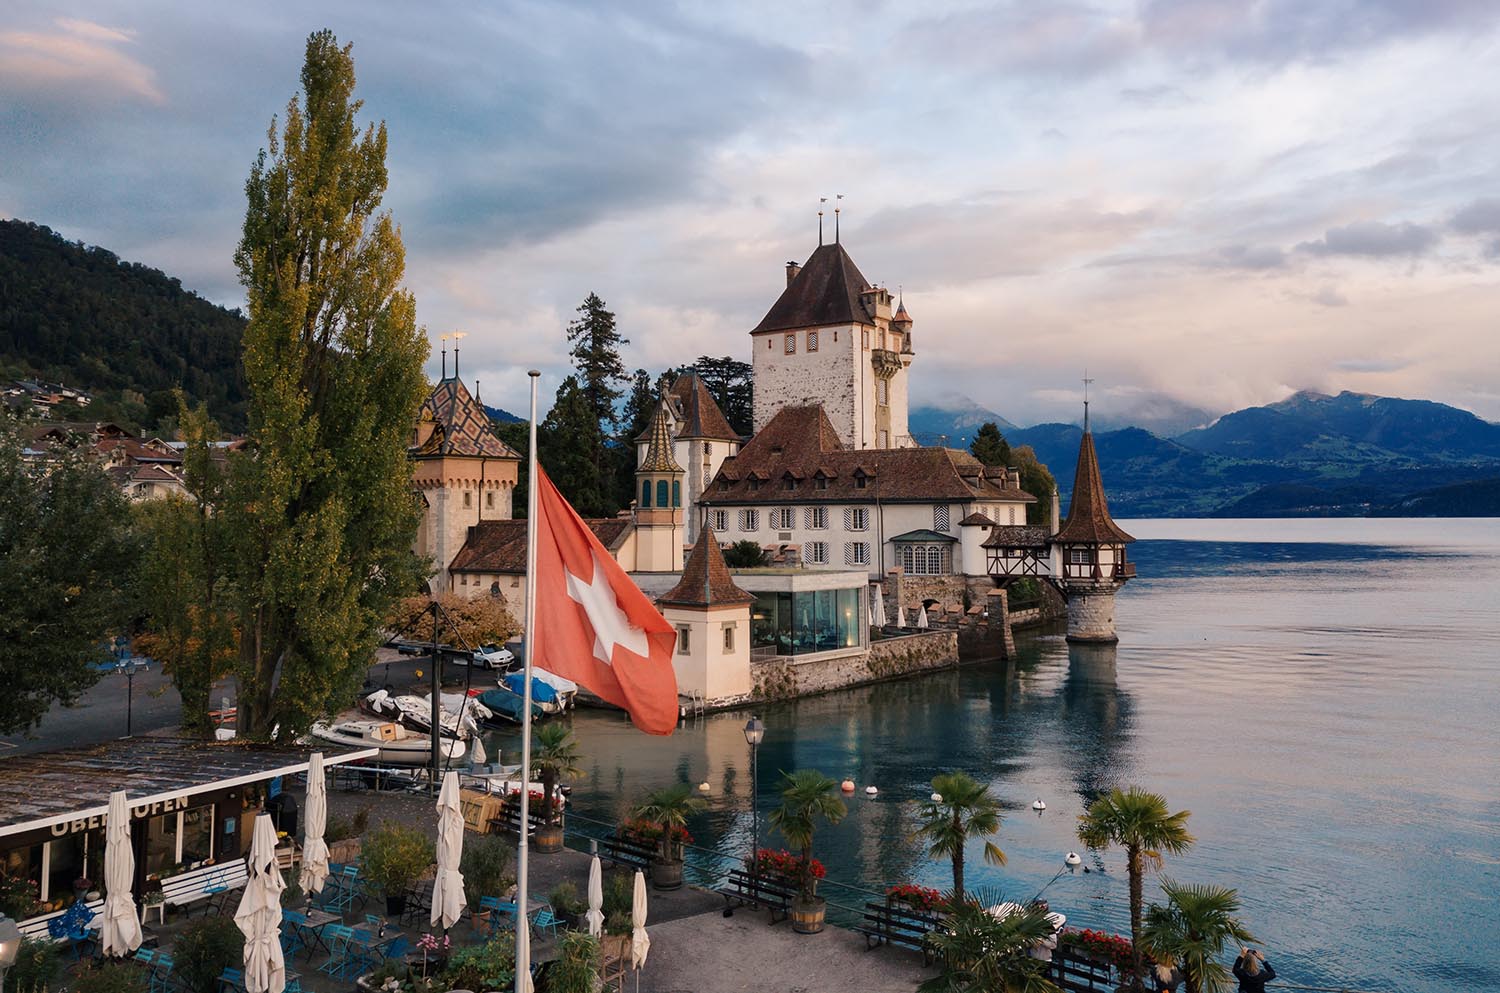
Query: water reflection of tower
x,y
1099,719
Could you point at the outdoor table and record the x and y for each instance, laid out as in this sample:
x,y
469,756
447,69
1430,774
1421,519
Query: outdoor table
x,y
317,920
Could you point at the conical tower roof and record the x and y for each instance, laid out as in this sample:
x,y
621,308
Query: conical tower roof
x,y
705,578
659,457
1088,520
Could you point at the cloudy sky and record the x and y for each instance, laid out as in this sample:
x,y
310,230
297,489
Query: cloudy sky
x,y
1205,202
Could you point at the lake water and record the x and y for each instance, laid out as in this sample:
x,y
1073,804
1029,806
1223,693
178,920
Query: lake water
x,y
1322,695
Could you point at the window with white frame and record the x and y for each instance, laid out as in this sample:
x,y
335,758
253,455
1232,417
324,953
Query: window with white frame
x,y
816,552
856,518
791,344
924,560
882,392
749,520
812,341
1080,556
718,520
857,553
684,640
940,517
729,638
817,518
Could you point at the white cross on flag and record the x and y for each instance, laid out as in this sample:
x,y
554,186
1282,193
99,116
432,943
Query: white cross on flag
x,y
592,624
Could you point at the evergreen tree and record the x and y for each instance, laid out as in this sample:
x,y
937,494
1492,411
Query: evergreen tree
x,y
596,355
189,626
564,441
732,385
640,405
66,557
989,445
517,434
322,513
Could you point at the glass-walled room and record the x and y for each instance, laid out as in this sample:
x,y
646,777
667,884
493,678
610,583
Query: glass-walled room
x,y
800,623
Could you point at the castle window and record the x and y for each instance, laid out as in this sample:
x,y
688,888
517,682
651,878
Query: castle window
x,y
924,560
749,520
661,493
719,519
816,552
791,344
812,341
723,484
676,493
788,483
645,493
820,483
729,639
708,448
684,640
817,518
857,553
882,392
866,336
856,519
860,480
468,499
940,517
754,484
489,500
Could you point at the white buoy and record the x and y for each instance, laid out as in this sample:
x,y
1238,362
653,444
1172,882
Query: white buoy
x,y
703,787
1072,858
937,798
1038,805
871,791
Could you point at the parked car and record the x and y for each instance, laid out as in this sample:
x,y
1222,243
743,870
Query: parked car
x,y
494,657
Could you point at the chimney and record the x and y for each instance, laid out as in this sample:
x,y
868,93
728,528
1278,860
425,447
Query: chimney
x,y
1015,478
792,269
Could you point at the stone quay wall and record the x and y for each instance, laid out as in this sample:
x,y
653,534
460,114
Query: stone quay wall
x,y
1091,615
787,677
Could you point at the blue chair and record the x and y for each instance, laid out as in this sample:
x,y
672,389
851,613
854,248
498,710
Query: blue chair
x,y
161,974
498,907
545,920
232,981
145,956
293,932
343,959
214,889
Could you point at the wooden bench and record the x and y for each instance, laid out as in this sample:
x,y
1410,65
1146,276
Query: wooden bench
x,y
36,927
758,891
207,882
622,851
508,822
885,923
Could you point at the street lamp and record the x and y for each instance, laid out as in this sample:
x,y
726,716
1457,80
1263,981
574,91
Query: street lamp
x,y
755,732
10,945
128,668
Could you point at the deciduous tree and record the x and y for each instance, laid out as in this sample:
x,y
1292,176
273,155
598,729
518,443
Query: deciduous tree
x,y
481,620
322,513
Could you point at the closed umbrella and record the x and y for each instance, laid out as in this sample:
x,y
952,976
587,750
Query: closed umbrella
x,y
476,751
877,608
922,618
314,849
259,914
595,915
901,615
640,942
523,959
448,885
121,928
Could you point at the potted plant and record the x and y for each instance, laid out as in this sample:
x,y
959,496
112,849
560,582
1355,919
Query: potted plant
x,y
555,757
619,894
922,899
667,811
81,887
490,965
807,797
486,868
578,965
566,903
395,857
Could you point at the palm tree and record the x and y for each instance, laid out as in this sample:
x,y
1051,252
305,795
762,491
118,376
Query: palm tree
x,y
966,808
1138,821
981,953
1192,930
669,809
807,796
555,755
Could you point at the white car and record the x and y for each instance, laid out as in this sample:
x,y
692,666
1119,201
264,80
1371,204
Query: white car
x,y
493,657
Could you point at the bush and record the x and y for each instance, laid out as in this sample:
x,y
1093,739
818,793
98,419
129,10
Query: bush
x,y
337,829
565,899
576,969
619,895
110,977
394,856
490,966
206,948
744,555
292,896
36,963
486,866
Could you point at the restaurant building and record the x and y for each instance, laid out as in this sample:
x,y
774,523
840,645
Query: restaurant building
x,y
192,803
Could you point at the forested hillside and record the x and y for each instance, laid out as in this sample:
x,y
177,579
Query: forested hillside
x,y
125,332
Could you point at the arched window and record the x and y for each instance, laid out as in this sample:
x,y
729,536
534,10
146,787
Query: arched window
x,y
661,493
676,493
645,493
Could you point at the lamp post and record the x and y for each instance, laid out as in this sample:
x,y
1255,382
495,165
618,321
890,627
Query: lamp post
x,y
129,667
755,731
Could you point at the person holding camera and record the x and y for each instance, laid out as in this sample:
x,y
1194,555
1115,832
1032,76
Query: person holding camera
x,y
1253,971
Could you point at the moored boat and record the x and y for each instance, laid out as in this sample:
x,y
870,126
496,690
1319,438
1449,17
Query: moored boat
x,y
398,745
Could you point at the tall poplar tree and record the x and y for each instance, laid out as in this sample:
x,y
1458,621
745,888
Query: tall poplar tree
x,y
322,512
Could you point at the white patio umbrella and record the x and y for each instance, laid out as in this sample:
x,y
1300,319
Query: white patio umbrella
x,y
922,618
121,928
476,751
877,608
448,885
314,849
901,615
640,942
523,961
595,916
259,914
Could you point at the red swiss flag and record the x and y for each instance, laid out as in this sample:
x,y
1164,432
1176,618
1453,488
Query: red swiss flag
x,y
592,624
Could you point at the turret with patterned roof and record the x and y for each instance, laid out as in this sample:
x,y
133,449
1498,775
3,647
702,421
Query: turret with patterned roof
x,y
464,472
658,510
1090,562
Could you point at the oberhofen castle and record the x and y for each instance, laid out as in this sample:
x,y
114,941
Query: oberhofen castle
x,y
888,557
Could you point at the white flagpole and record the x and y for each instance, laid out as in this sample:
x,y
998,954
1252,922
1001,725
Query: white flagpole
x,y
523,956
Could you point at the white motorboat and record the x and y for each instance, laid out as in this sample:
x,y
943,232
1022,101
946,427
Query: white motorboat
x,y
398,745
554,694
416,713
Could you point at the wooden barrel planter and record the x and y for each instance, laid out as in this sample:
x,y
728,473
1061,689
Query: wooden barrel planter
x,y
548,838
808,915
666,875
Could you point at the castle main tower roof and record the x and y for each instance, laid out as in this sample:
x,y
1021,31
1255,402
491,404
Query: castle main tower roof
x,y
1088,520
826,292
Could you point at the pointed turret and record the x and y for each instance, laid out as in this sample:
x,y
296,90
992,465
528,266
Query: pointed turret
x,y
1091,563
658,512
1088,512
712,618
706,581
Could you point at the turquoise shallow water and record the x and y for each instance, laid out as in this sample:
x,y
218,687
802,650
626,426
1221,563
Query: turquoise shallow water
x,y
1322,695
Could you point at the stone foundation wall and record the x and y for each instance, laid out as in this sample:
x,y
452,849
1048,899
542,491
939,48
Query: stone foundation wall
x,y
1091,616
784,678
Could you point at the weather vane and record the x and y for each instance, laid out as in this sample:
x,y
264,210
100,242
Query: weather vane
x,y
1086,382
457,337
821,202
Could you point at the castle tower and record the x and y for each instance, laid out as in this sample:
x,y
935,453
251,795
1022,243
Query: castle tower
x,y
712,618
462,470
702,439
1091,552
831,339
658,510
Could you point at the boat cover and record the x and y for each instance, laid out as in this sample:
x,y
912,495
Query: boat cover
x,y
541,691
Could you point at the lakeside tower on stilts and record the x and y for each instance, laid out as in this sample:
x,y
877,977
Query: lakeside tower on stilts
x,y
1089,564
